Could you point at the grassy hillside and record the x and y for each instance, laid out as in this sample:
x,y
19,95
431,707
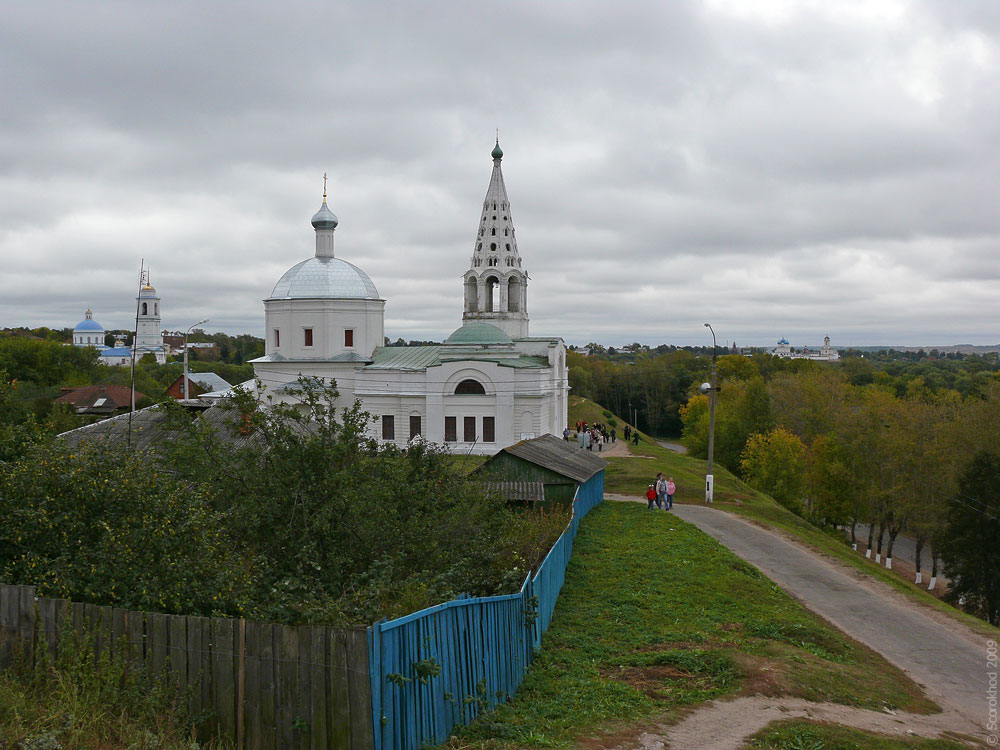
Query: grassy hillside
x,y
656,616
630,475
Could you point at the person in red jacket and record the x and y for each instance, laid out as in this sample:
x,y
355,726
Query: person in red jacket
x,y
651,495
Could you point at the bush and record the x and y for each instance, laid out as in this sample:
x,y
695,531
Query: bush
x,y
105,526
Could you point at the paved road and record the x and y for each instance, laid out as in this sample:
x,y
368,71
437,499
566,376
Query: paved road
x,y
675,447
948,660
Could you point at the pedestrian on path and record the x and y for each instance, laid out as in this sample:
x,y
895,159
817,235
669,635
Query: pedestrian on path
x,y
671,489
650,496
661,492
635,437
614,435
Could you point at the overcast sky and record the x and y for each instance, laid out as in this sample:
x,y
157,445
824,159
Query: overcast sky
x,y
777,168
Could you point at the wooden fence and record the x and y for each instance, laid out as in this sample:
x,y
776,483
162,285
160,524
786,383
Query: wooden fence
x,y
265,686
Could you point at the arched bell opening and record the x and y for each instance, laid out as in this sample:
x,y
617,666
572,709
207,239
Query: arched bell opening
x,y
492,294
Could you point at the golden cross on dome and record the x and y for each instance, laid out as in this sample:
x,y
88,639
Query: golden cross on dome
x,y
324,187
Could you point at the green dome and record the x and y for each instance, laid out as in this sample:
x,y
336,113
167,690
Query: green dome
x,y
479,333
497,152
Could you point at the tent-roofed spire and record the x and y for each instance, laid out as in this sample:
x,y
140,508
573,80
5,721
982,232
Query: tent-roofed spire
x,y
495,284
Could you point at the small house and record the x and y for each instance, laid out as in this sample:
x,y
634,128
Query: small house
x,y
561,469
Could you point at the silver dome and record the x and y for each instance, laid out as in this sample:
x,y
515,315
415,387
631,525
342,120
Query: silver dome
x,y
324,277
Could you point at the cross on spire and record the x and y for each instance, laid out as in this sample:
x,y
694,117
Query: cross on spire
x,y
324,187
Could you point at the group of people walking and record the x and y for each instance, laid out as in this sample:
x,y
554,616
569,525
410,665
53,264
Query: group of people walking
x,y
594,434
661,492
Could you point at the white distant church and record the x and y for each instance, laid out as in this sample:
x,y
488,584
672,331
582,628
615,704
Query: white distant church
x,y
148,340
489,385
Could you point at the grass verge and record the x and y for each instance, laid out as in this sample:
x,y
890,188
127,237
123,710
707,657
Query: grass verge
x,y
655,616
806,735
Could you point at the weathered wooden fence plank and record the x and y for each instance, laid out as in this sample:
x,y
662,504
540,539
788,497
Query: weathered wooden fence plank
x,y
26,619
286,637
319,653
158,644
223,670
198,670
252,701
135,636
268,686
340,691
356,642
177,658
303,702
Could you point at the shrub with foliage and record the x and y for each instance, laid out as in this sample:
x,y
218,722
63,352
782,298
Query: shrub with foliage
x,y
105,526
346,529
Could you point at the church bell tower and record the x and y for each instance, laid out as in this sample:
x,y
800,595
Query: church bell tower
x,y
496,289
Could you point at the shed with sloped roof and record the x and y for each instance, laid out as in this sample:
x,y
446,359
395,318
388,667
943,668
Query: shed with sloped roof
x,y
561,467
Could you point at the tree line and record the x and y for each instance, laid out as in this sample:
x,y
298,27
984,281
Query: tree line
x,y
895,452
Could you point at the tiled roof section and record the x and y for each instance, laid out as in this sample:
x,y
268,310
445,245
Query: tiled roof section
x,y
559,456
517,491
85,397
405,358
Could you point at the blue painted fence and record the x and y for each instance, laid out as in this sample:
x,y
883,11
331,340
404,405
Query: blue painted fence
x,y
444,665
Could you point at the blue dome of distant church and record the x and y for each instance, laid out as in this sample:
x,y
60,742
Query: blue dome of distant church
x,y
89,324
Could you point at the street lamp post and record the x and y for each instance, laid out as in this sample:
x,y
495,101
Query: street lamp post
x,y
184,385
712,390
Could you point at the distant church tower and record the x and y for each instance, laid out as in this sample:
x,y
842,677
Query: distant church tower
x,y
148,336
496,289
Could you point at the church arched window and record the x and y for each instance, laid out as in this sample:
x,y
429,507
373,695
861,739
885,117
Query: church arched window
x,y
494,206
144,309
479,247
470,387
493,230
508,247
156,308
493,246
504,232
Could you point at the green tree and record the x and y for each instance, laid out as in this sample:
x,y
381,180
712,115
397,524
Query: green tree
x,y
775,462
969,546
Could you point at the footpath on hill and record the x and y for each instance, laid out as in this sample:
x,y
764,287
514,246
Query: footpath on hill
x,y
943,656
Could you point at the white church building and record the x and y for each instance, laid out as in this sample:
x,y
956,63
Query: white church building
x,y
489,385
148,339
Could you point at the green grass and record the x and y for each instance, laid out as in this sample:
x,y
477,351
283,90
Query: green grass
x,y
805,735
655,616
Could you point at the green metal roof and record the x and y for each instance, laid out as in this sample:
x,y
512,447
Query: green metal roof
x,y
405,358
479,333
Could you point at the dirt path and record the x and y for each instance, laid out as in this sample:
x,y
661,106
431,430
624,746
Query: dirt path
x,y
726,725
943,656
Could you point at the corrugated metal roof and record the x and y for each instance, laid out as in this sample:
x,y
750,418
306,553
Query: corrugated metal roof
x,y
152,427
557,455
517,491
405,358
209,380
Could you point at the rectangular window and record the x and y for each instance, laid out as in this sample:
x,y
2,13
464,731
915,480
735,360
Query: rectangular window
x,y
450,429
349,337
470,429
388,427
277,338
414,426
489,430
309,336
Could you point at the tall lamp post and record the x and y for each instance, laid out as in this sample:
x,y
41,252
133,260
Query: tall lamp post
x,y
711,389
184,385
